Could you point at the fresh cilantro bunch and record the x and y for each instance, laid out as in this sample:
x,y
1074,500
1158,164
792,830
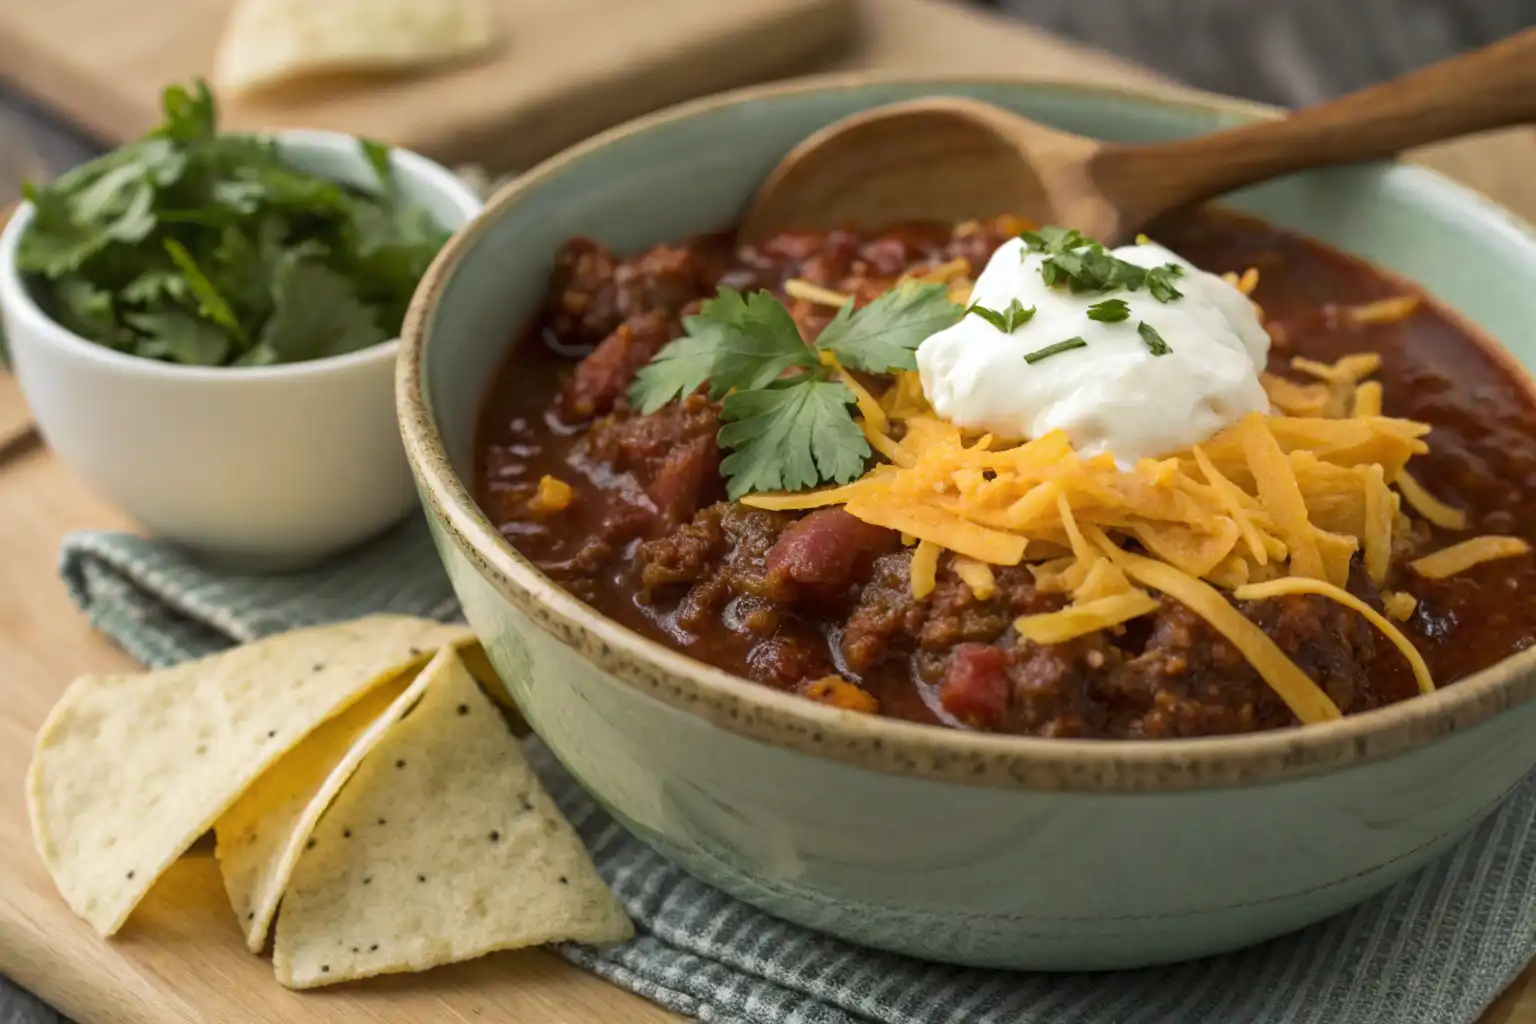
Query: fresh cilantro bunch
x,y
787,418
204,249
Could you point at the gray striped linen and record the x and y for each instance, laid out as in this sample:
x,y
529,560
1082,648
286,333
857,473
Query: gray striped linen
x,y
1436,949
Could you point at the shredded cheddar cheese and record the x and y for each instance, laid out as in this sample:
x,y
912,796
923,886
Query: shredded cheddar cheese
x,y
1458,558
1427,505
925,567
1383,311
976,575
1349,370
1368,399
799,288
1273,505
1280,495
1087,617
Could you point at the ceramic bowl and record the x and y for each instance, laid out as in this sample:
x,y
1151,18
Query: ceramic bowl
x,y
261,468
975,849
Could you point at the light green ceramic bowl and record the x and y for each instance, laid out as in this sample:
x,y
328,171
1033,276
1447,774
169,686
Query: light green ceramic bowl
x,y
975,849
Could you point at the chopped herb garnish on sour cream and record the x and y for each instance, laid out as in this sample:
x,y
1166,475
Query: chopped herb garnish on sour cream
x,y
1155,342
1056,349
1110,311
788,419
1009,320
1083,265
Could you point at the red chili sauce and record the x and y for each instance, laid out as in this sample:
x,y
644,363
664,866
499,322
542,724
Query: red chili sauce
x,y
791,599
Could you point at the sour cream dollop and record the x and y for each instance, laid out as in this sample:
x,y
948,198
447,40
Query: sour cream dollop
x,y
1112,395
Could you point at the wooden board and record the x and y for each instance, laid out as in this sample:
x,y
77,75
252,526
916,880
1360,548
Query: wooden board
x,y
181,960
568,68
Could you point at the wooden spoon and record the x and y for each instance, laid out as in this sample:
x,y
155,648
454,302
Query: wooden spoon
x,y
952,159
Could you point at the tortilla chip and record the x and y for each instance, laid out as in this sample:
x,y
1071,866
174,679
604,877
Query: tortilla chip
x,y
261,837
130,770
270,42
443,847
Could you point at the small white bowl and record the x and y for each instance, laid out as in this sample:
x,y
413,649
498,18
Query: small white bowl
x,y
264,468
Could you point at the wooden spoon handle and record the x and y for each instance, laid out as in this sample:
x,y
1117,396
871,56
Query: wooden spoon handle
x,y
1488,88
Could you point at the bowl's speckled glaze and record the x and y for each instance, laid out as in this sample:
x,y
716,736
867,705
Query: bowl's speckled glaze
x,y
986,850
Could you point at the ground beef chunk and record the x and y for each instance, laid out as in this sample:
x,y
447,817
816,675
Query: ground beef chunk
x,y
718,557
603,377
1054,686
823,555
1189,681
1172,675
592,292
887,620
582,308
1028,688
683,556
789,658
671,454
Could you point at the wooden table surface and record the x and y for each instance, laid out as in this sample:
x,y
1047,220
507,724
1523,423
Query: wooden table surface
x,y
44,642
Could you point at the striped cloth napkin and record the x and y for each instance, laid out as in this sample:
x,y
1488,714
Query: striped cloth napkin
x,y
1437,949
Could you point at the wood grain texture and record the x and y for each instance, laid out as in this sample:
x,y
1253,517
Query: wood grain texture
x,y
567,69
182,960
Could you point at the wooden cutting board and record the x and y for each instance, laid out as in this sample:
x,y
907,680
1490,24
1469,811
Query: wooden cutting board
x,y
567,68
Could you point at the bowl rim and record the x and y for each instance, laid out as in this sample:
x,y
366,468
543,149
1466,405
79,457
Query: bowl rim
x,y
761,713
17,298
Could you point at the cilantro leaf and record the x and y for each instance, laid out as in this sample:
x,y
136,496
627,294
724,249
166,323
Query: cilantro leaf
x,y
180,337
756,341
883,336
189,113
1054,239
790,437
1110,311
151,288
316,313
679,369
377,155
86,309
1009,320
1154,341
1160,282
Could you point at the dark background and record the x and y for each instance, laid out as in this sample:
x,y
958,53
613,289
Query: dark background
x,y
1290,52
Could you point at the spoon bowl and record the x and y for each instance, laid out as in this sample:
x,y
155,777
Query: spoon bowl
x,y
951,158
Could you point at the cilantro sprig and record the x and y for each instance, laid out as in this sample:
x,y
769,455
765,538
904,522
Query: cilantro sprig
x,y
787,418
195,247
1007,320
1082,265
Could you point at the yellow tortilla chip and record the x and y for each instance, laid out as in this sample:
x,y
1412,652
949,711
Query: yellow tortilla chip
x,y
474,856
130,770
261,837
270,42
